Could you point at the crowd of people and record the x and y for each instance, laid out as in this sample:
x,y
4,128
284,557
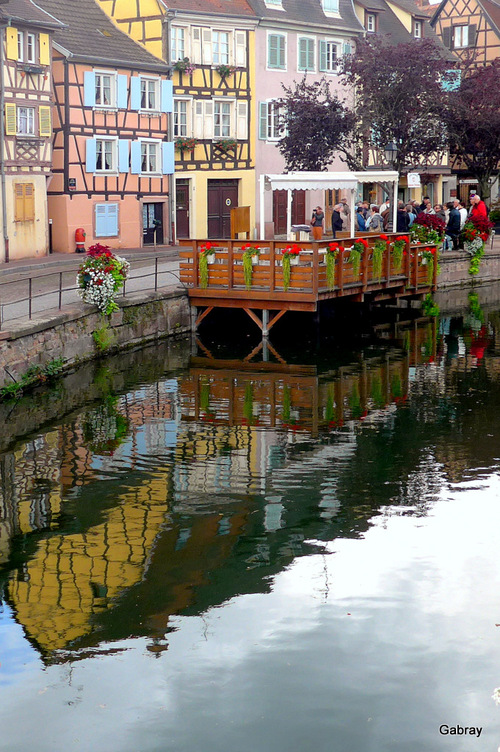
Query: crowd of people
x,y
377,219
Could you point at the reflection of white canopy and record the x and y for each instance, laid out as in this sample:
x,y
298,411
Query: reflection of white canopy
x,y
314,181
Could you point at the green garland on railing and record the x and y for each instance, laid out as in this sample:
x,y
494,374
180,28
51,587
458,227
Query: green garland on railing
x,y
428,254
398,248
288,252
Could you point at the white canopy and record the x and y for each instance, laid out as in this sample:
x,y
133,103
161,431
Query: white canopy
x,y
314,181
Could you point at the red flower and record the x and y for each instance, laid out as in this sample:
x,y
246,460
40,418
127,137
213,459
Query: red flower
x,y
384,237
404,238
99,282
363,241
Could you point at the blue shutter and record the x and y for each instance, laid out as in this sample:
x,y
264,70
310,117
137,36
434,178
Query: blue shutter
x,y
310,54
106,220
346,48
135,93
167,96
272,51
263,120
123,160
322,55
90,154
281,52
112,220
135,157
121,93
89,89
167,154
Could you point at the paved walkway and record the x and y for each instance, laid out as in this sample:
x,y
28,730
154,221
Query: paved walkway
x,y
50,281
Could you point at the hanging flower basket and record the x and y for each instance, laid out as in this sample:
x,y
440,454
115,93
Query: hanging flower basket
x,y
397,251
224,70
206,256
185,144
357,250
291,256
332,251
101,276
250,259
225,145
475,234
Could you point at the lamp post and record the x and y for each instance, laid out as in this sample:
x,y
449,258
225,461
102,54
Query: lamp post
x,y
391,153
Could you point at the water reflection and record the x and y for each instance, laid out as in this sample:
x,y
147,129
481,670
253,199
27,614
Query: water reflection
x,y
160,495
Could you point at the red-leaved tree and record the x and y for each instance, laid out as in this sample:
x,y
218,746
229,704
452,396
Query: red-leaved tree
x,y
472,116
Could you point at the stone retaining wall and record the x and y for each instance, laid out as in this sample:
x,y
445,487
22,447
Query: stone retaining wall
x,y
79,334
455,269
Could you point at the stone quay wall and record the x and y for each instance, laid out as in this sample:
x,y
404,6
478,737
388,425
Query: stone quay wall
x,y
81,333
455,269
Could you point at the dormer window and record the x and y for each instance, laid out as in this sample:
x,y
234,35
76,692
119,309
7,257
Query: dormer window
x,y
330,6
417,29
371,22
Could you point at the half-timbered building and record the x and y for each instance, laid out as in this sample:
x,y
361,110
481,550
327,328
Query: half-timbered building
x,y
210,44
25,131
112,157
471,28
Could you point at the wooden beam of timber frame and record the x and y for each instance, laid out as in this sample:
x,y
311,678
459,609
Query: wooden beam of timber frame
x,y
275,319
202,315
254,318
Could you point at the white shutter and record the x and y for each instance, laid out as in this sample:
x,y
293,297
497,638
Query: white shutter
x,y
240,48
196,45
208,120
242,120
207,46
198,119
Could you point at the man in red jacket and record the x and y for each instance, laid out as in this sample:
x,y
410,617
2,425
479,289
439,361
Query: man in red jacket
x,y
478,210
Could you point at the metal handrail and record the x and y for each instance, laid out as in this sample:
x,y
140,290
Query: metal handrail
x,y
60,289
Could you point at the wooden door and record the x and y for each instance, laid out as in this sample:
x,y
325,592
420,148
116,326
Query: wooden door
x,y
299,208
222,197
279,212
182,208
152,219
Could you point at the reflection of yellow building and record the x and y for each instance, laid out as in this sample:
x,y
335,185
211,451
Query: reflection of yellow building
x,y
74,576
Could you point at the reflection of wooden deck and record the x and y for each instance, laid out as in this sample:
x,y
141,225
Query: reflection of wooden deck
x,y
308,282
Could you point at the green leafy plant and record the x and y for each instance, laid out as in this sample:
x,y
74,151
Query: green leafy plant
x,y
34,376
206,250
101,276
475,308
289,252
185,144
428,257
398,247
332,252
103,337
378,250
249,251
357,250
429,306
185,66
224,70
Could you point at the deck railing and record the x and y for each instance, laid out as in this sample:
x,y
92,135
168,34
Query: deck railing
x,y
310,274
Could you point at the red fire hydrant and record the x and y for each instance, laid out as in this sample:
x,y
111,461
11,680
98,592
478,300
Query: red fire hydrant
x,y
80,240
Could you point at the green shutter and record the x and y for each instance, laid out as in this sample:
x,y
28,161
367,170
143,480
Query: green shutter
x,y
302,54
310,54
322,55
263,120
272,53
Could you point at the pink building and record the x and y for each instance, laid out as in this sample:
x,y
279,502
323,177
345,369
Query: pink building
x,y
111,155
293,40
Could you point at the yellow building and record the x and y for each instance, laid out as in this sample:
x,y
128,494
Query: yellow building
x,y
212,54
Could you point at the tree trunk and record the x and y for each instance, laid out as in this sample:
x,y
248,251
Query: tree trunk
x,y
484,188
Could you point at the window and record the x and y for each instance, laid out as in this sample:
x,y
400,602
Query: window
x,y
329,54
273,2
31,48
222,119
371,22
331,6
417,29
150,157
306,54
461,36
178,49
105,160
26,121
24,200
20,46
269,121
150,94
220,47
180,117
106,220
276,57
105,90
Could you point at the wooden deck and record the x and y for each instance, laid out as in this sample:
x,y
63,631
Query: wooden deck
x,y
308,283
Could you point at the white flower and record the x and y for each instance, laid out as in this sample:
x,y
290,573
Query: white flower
x,y
496,695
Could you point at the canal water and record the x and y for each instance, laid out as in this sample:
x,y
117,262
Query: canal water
x,y
226,548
